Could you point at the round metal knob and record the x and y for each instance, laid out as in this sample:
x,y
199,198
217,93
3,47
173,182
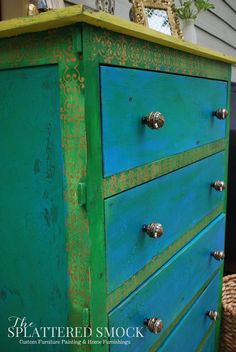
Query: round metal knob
x,y
213,315
219,186
218,255
221,113
155,325
154,229
154,120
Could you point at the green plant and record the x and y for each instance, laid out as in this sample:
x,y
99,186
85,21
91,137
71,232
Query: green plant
x,y
190,9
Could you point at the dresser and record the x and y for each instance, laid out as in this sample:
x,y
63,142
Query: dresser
x,y
113,149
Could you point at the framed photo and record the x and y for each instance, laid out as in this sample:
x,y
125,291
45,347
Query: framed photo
x,y
159,15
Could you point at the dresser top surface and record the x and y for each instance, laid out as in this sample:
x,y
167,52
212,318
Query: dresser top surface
x,y
82,14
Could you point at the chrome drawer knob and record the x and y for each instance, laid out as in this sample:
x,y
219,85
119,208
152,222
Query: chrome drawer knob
x,y
155,325
154,120
219,186
213,315
221,113
154,230
218,255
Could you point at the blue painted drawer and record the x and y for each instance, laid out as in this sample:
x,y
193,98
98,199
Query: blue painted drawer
x,y
167,292
193,327
187,103
177,200
210,344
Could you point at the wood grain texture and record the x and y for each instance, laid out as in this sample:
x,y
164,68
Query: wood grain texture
x,y
194,326
178,201
172,295
187,114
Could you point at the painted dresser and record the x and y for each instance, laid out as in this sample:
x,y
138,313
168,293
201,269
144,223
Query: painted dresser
x,y
113,159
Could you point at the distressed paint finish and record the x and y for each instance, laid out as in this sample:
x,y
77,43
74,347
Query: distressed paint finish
x,y
182,313
130,285
191,329
194,260
82,14
94,205
124,180
117,49
32,210
74,146
39,48
189,199
188,116
81,138
209,343
62,47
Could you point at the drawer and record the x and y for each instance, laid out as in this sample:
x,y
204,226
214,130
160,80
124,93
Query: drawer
x,y
210,344
178,201
186,102
189,333
168,292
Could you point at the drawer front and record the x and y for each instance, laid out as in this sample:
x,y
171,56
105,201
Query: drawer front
x,y
210,345
187,103
178,201
168,291
196,323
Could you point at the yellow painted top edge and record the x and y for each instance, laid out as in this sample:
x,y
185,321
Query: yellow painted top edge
x,y
82,14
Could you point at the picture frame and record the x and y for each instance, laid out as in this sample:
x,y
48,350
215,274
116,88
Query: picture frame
x,y
159,15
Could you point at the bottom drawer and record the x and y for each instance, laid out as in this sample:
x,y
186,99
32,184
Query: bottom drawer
x,y
169,291
210,344
193,327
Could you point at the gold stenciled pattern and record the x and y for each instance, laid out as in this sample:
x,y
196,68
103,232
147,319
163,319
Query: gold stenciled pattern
x,y
131,284
118,183
117,49
56,47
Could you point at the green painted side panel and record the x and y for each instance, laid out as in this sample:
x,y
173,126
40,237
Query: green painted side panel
x,y
189,123
62,46
178,201
34,279
191,329
170,290
41,48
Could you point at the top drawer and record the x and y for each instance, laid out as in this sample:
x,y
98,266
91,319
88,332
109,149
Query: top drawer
x,y
187,104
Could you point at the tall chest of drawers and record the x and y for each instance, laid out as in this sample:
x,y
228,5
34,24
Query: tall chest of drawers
x,y
114,144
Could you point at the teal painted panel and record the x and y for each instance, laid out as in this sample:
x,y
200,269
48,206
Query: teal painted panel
x,y
210,345
33,261
167,292
189,333
178,201
187,103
